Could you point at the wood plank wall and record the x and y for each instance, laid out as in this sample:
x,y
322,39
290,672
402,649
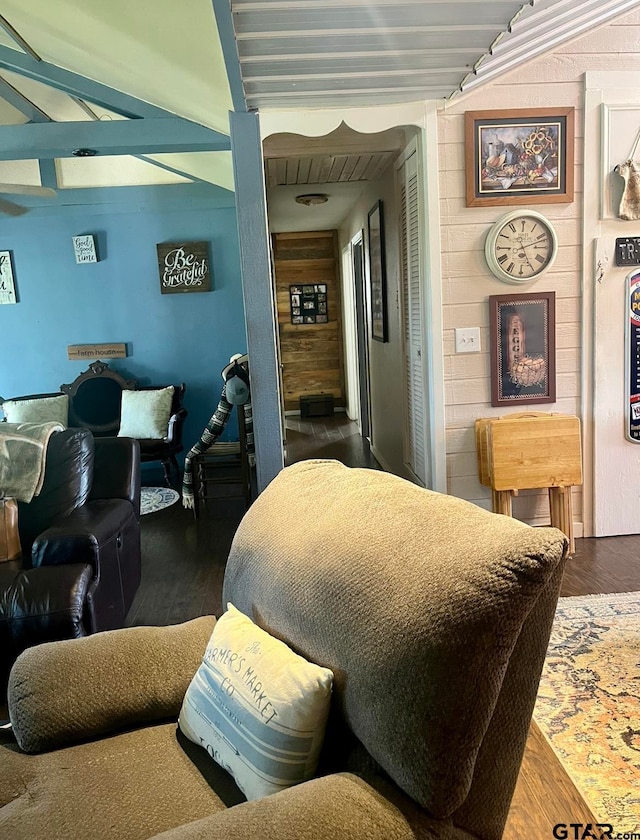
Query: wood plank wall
x,y
311,354
556,79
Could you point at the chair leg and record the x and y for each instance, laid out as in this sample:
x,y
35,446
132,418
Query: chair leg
x,y
176,467
167,477
196,478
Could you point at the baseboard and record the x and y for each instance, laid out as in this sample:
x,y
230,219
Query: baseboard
x,y
384,464
543,522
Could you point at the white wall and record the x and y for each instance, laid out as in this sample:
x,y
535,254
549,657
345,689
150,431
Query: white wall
x,y
386,359
556,79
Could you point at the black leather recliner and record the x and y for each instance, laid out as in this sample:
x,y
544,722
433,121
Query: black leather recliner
x,y
80,538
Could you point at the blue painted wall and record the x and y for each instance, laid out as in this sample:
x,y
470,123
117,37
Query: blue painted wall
x,y
170,338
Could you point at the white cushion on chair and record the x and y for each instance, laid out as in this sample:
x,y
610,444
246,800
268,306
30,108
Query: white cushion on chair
x,y
145,414
257,707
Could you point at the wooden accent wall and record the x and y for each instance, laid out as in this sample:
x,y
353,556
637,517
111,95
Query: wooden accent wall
x,y
311,354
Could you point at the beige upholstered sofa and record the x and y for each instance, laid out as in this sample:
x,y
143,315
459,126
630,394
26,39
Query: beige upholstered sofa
x,y
434,616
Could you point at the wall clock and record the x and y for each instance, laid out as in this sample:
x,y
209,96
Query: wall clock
x,y
521,246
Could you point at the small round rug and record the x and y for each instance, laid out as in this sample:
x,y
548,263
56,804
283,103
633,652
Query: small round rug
x,y
153,499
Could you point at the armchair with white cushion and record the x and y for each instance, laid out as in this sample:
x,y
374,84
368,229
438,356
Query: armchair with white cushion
x,y
432,615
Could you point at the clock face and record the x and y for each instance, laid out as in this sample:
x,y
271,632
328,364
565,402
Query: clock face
x,y
521,246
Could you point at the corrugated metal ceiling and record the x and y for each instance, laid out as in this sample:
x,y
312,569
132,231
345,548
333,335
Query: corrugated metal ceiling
x,y
345,53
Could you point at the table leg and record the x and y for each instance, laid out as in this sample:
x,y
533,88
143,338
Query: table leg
x,y
501,501
561,506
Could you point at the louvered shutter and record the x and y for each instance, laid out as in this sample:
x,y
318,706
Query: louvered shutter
x,y
415,453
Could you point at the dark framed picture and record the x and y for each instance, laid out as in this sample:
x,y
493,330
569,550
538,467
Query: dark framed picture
x,y
519,156
308,304
377,273
184,267
523,348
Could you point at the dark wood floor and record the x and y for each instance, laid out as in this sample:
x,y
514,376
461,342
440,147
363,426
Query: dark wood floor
x,y
184,558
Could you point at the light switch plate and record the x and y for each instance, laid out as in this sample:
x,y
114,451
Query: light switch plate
x,y
468,340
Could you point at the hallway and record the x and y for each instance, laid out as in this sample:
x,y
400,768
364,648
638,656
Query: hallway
x,y
334,436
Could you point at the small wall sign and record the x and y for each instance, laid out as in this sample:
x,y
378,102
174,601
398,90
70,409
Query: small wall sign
x,y
632,390
628,250
85,248
96,351
309,304
184,267
7,286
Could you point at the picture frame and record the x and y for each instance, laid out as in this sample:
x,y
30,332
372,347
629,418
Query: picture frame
x,y
7,284
184,267
308,304
523,348
519,156
377,273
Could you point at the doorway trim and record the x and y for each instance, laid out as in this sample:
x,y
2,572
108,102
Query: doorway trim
x,y
370,120
604,90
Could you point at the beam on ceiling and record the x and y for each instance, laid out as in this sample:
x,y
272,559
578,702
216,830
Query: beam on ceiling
x,y
21,103
173,169
17,38
79,86
541,32
118,137
48,174
226,33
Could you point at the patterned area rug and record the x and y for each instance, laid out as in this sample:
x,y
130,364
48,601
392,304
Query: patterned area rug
x,y
153,499
588,705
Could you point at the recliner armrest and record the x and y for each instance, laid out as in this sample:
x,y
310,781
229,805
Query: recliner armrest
x,y
77,538
341,805
64,692
117,470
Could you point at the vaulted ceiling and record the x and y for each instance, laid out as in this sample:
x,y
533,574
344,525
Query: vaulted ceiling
x,y
148,84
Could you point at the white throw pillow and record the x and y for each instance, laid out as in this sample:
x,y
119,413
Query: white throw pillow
x,y
257,707
38,410
145,414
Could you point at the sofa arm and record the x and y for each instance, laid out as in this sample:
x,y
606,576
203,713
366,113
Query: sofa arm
x,y
77,538
44,605
341,805
69,691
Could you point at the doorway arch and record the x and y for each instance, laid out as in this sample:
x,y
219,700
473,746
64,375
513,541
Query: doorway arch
x,y
422,117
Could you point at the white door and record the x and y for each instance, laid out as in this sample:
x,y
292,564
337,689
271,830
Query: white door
x,y
612,463
412,308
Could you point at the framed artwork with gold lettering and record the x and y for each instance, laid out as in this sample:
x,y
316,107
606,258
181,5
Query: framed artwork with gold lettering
x,y
523,348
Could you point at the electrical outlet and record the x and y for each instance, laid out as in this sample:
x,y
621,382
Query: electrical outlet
x,y
468,340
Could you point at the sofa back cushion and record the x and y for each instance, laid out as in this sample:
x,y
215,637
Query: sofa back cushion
x,y
413,599
68,478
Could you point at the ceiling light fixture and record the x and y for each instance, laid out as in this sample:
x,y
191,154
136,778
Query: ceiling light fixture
x,y
310,199
84,152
